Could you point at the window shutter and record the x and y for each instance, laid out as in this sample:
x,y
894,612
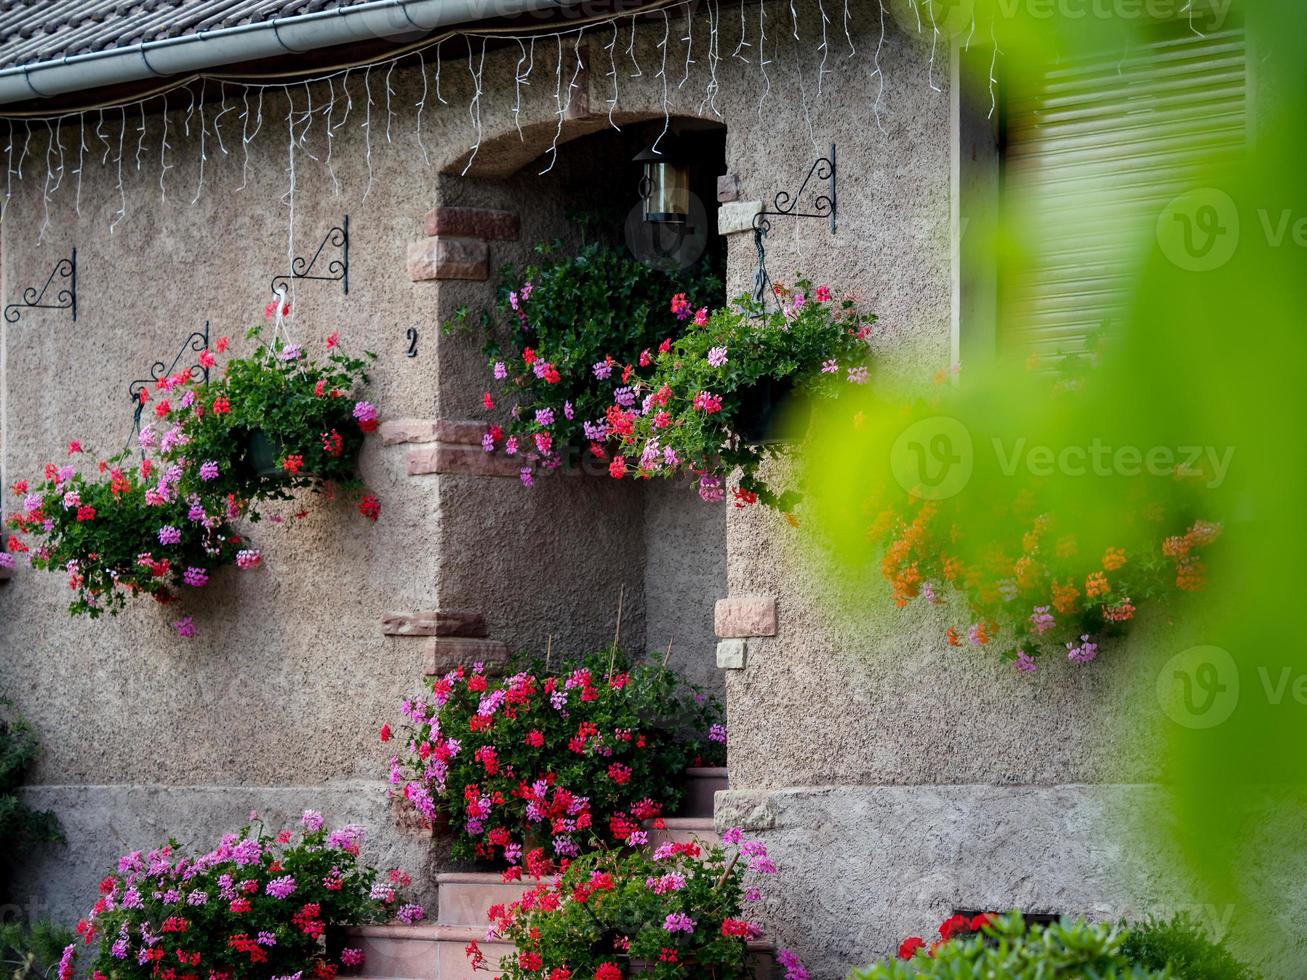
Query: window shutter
x,y
1094,153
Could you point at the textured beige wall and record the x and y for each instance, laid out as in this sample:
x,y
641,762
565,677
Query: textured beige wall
x,y
280,695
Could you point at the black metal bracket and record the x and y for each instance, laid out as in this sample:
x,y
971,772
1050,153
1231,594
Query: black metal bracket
x,y
337,269
786,205
196,343
65,299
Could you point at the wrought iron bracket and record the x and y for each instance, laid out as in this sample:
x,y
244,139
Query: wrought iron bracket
x,y
196,344
824,204
337,270
64,299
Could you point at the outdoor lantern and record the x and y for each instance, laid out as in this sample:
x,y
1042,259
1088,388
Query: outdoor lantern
x,y
665,185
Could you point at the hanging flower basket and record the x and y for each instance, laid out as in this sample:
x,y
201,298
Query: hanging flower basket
x,y
273,423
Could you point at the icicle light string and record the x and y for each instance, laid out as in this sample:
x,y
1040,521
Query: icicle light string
x,y
743,42
558,102
421,106
474,110
878,74
122,191
612,73
299,126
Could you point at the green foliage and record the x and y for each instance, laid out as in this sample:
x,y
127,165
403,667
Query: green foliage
x,y
539,764
18,750
28,953
704,389
302,407
572,312
1181,944
1008,948
603,911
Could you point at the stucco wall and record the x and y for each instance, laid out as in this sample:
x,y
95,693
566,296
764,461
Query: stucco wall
x,y
855,742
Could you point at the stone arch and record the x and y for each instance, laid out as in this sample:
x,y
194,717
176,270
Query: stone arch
x,y
504,154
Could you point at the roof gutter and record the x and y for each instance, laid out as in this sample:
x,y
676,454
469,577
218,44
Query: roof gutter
x,y
378,19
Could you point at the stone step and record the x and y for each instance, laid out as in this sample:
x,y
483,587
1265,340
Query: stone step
x,y
701,788
463,897
397,951
679,830
452,961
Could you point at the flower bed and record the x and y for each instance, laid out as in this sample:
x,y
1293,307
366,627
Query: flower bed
x,y
528,769
611,914
256,905
164,526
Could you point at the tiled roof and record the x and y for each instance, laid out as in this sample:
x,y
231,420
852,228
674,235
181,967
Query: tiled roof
x,y
40,30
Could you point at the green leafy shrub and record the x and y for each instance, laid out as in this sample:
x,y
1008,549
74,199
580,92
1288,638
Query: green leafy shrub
x,y
27,953
18,750
1007,947
571,328
1182,945
535,766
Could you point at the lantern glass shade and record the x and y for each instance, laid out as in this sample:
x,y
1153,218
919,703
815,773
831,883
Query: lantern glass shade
x,y
666,192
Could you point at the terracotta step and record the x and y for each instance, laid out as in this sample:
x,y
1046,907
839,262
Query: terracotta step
x,y
702,786
463,897
682,829
452,962
398,951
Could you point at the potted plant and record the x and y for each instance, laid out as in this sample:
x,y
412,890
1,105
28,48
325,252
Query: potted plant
x,y
121,531
531,767
676,913
163,526
566,332
275,421
256,904
712,402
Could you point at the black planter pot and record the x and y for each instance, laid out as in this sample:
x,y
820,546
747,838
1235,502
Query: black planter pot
x,y
262,454
768,412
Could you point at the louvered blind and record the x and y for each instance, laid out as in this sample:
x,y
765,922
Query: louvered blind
x,y
1094,153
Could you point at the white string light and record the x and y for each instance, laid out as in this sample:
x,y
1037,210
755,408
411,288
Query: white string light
x,y
81,156
518,81
300,119
217,131
630,53
934,44
199,187
475,109
878,74
389,92
367,128
122,191
331,136
421,107
45,191
824,48
993,61
612,73
689,46
558,102
743,42
662,73
164,166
